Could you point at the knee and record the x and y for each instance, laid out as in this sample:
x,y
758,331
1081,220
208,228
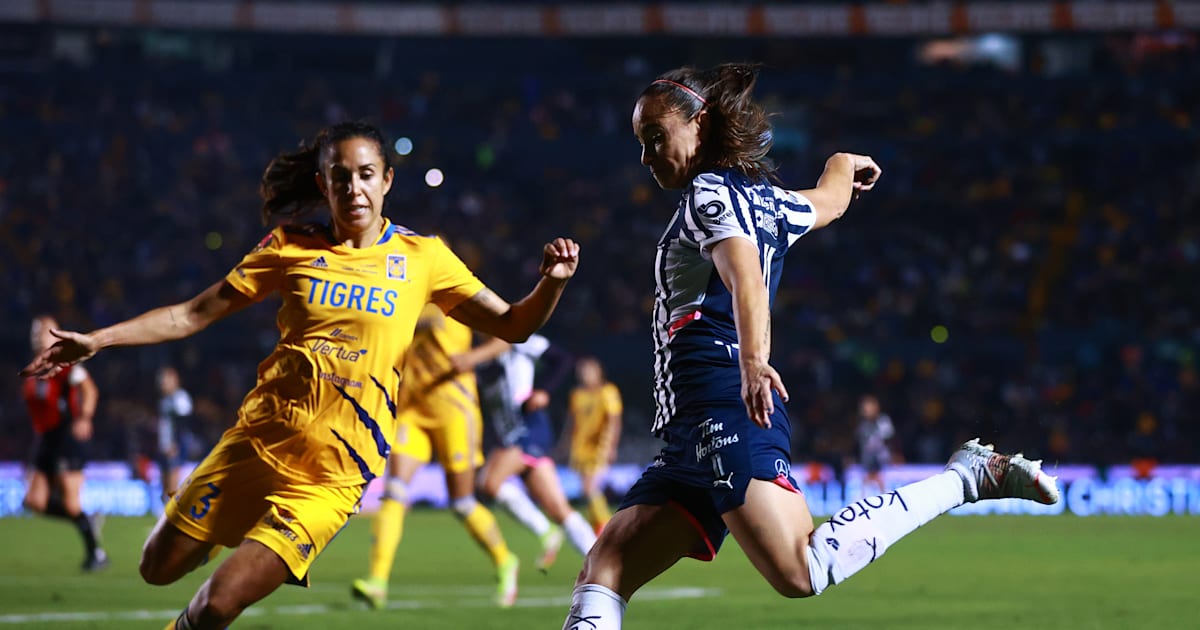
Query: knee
x,y
396,489
793,584
217,607
35,504
599,567
463,506
153,571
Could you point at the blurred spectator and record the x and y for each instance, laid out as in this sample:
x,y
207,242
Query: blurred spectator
x,y
1025,273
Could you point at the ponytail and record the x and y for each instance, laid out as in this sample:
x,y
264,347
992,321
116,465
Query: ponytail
x,y
739,134
289,184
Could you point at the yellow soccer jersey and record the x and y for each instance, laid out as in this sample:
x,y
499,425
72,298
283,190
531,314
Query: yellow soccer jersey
x,y
591,409
324,408
427,367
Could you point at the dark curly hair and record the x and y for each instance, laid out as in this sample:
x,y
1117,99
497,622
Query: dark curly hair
x,y
739,135
289,186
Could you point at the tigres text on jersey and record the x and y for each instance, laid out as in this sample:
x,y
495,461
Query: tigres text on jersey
x,y
324,407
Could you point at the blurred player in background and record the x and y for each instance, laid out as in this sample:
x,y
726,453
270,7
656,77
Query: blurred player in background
x,y
595,417
174,411
62,408
316,429
874,430
725,466
438,412
521,423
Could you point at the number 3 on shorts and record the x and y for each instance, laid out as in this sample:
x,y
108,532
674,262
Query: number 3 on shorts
x,y
201,510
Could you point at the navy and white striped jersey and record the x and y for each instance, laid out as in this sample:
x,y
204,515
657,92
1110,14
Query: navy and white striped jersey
x,y
695,341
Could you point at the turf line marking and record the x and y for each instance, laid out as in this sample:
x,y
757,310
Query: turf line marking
x,y
651,594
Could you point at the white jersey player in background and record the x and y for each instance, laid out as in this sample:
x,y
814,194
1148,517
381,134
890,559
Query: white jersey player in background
x,y
725,466
174,412
517,414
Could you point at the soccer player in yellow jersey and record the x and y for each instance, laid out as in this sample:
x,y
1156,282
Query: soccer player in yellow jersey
x,y
438,412
595,408
318,425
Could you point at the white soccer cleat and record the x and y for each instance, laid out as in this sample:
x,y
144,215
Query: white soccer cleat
x,y
987,474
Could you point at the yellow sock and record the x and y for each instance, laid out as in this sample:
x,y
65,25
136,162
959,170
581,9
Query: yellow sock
x,y
598,512
482,525
386,529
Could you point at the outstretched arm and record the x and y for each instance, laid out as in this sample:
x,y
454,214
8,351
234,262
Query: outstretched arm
x,y
846,175
166,323
464,362
488,313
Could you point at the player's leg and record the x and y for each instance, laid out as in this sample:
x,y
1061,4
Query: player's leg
x,y
170,554
502,464
546,489
387,528
216,505
481,524
598,510
640,543
772,526
68,484
37,494
251,572
278,547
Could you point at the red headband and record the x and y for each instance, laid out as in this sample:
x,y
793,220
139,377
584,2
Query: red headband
x,y
685,89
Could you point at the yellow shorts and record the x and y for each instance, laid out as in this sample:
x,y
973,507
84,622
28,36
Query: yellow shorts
x,y
587,462
446,425
233,495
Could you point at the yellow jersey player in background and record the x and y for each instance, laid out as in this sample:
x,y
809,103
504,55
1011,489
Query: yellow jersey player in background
x,y
595,416
318,425
438,412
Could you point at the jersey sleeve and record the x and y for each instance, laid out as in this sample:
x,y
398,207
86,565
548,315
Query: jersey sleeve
x,y
796,212
612,400
715,212
182,402
452,283
78,375
261,271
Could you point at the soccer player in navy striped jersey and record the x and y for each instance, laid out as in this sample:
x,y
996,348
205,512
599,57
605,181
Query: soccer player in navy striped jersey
x,y
725,466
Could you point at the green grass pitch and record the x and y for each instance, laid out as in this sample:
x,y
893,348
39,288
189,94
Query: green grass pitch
x,y
973,572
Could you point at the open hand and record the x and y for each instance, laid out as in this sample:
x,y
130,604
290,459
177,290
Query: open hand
x,y
71,348
759,380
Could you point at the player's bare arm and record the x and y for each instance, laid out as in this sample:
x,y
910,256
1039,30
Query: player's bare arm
x,y
846,175
736,260
89,396
165,323
490,314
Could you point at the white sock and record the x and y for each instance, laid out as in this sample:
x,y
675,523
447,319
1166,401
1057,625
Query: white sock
x,y
579,532
594,607
862,531
521,506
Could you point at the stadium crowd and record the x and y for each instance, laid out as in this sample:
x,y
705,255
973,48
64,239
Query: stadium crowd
x,y
1024,271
